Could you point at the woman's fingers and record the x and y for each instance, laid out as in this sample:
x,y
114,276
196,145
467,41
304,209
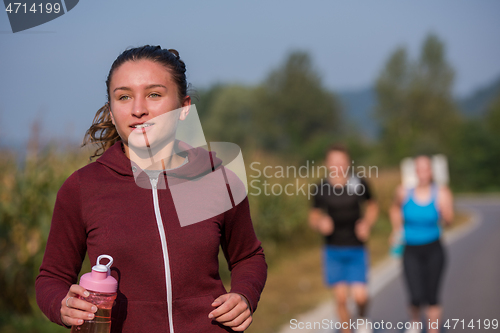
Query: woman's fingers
x,y
76,289
232,311
75,310
243,326
235,317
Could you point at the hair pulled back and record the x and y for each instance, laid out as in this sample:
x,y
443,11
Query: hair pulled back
x,y
102,131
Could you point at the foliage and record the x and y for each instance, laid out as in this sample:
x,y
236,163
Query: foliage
x,y
27,199
279,219
296,112
230,115
12,323
474,164
415,103
291,113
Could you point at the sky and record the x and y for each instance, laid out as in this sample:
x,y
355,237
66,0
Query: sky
x,y
55,73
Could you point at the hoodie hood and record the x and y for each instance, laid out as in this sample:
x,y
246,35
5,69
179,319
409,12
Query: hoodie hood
x,y
200,161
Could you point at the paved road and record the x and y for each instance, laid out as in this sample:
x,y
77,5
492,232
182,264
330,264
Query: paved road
x,y
471,289
471,286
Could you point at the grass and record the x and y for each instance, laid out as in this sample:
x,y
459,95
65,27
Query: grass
x,y
33,324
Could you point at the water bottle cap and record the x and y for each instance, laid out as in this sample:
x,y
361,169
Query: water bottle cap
x,y
100,280
103,268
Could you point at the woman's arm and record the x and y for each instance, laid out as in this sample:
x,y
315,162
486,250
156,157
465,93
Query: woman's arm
x,y
248,268
395,214
445,204
62,261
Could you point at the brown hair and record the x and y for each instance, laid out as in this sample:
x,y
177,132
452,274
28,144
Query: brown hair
x,y
337,147
102,131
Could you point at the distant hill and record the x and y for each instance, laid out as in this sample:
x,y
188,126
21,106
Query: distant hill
x,y
359,104
358,108
476,104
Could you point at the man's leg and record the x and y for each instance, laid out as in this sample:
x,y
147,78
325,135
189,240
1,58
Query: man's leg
x,y
358,278
360,295
341,293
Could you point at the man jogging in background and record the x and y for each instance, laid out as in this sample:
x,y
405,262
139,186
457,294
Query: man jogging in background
x,y
337,213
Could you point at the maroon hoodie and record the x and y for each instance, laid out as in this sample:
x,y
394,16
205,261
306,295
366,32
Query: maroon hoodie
x,y
167,273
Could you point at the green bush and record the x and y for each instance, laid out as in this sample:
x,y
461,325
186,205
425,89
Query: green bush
x,y
28,191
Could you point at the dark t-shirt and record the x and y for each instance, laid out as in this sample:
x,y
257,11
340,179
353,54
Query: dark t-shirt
x,y
343,204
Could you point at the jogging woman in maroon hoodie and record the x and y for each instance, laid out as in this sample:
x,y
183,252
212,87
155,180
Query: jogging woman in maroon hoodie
x,y
160,212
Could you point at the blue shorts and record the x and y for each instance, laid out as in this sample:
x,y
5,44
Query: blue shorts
x,y
348,264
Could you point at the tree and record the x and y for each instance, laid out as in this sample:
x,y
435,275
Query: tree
x,y
415,107
230,115
295,112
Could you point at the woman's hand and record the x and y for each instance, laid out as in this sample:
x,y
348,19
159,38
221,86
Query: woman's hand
x,y
74,310
395,237
232,311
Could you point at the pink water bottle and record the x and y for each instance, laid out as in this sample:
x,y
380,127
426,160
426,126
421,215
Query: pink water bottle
x,y
102,288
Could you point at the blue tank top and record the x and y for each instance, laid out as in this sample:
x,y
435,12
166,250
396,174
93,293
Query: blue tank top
x,y
421,222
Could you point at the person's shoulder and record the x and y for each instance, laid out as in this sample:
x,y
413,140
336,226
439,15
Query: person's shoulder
x,y
361,180
360,187
400,189
70,185
442,187
89,170
320,190
444,190
323,182
400,192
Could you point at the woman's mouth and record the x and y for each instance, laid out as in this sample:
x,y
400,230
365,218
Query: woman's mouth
x,y
142,125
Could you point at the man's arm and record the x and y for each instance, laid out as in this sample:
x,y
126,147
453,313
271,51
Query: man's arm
x,y
320,221
364,224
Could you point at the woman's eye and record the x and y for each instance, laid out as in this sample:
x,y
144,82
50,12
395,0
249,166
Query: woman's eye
x,y
154,95
122,98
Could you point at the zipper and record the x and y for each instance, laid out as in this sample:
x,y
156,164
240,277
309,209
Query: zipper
x,y
163,238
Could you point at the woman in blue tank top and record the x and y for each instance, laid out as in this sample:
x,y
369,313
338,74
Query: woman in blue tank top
x,y
418,212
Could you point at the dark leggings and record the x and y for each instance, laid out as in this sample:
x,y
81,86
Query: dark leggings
x,y
423,267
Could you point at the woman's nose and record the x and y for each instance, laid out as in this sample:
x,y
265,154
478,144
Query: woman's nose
x,y
139,108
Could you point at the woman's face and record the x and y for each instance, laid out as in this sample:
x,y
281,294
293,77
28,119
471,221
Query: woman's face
x,y
423,168
142,96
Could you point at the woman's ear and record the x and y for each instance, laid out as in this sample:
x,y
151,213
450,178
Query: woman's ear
x,y
186,105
